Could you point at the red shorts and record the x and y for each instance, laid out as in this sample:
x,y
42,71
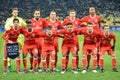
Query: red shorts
x,y
39,42
87,48
69,48
48,50
109,50
30,48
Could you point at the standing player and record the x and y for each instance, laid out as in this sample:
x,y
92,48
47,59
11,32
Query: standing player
x,y
106,45
76,22
95,19
56,24
48,47
30,46
11,36
9,23
89,45
69,45
38,24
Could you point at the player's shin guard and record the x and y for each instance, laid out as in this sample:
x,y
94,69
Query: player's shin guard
x,y
18,64
25,64
53,64
31,62
35,60
5,64
44,63
114,62
63,62
84,63
94,63
102,63
74,62
88,60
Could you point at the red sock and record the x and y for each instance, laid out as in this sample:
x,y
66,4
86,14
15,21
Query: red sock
x,y
39,60
35,60
25,64
63,62
18,64
5,64
98,58
94,63
44,63
73,62
48,60
56,59
88,60
31,62
102,63
113,62
84,63
53,64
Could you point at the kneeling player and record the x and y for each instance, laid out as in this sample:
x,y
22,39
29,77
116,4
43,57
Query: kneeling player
x,y
69,45
11,36
106,45
29,46
89,45
48,47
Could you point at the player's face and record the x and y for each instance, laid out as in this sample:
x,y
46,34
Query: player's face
x,y
72,14
36,14
49,32
106,31
16,23
92,10
52,15
15,13
90,27
69,28
29,26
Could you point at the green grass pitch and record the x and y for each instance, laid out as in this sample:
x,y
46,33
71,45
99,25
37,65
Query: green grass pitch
x,y
107,75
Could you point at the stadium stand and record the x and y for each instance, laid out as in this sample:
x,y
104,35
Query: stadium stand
x,y
108,9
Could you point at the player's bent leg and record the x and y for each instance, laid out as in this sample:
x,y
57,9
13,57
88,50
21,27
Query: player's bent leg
x,y
102,63
35,60
25,63
9,64
18,65
94,63
63,62
39,61
114,63
44,63
31,61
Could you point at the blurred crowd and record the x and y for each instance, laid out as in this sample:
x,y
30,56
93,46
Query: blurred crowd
x,y
108,9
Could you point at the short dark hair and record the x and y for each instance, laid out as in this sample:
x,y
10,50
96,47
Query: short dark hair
x,y
72,10
36,10
89,23
15,8
69,23
15,20
49,27
28,22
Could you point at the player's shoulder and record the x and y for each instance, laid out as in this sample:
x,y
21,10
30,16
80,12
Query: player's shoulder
x,y
112,34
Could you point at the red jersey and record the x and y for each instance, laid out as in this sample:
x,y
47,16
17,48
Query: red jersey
x,y
69,37
48,40
38,24
106,41
95,20
55,24
89,38
12,34
76,22
29,36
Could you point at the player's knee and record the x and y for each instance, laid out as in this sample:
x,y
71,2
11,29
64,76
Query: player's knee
x,y
83,56
64,54
24,56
